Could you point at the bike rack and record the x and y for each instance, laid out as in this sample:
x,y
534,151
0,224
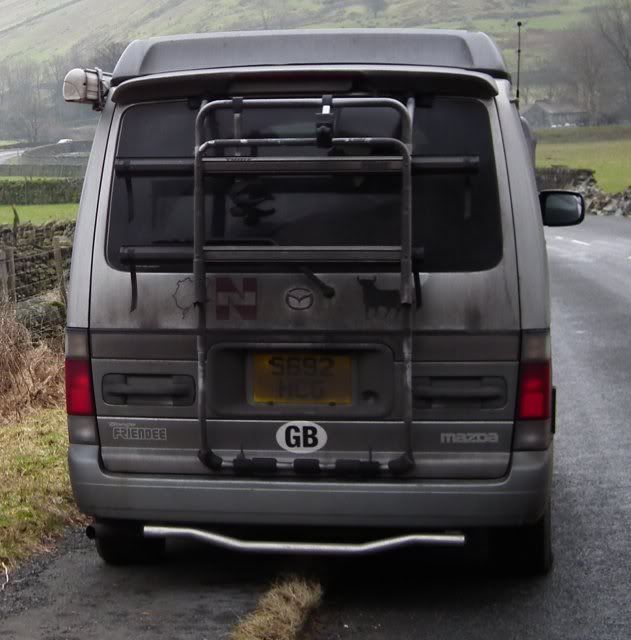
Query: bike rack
x,y
324,137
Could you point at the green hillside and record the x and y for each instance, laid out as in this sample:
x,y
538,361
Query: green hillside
x,y
41,29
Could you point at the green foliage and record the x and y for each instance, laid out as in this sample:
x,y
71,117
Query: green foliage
x,y
25,191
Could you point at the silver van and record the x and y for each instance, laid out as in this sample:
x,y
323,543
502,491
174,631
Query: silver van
x,y
309,294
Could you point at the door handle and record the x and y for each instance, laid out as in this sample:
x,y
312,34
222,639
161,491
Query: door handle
x,y
157,388
449,392
148,390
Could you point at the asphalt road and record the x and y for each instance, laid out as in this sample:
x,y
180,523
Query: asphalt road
x,y
431,595
588,594
71,595
7,155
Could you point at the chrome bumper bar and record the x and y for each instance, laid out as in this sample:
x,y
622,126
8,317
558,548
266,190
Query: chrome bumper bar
x,y
307,548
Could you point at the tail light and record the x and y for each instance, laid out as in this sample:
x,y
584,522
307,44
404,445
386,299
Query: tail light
x,y
533,430
79,391
79,396
535,391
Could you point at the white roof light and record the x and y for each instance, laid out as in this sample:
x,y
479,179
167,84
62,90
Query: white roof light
x,y
87,86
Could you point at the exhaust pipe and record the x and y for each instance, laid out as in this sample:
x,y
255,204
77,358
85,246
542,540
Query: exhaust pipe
x,y
456,539
99,530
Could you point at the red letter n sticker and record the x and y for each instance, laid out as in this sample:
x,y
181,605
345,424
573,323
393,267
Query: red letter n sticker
x,y
238,294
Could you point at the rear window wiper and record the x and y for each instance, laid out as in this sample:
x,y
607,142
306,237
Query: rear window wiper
x,y
327,290
165,251
143,255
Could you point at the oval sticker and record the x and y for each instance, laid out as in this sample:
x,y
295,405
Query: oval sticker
x,y
301,437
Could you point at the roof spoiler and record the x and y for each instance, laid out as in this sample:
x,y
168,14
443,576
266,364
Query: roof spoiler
x,y
436,81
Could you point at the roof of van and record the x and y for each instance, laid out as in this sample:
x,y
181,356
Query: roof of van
x,y
471,51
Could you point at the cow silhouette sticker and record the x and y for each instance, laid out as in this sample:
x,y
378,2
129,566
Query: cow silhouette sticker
x,y
376,299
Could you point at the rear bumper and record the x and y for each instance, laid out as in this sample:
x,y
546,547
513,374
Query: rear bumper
x,y
516,499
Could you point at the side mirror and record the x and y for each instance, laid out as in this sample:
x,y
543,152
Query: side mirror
x,y
562,208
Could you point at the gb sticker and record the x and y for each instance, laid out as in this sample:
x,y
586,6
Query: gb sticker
x,y
301,437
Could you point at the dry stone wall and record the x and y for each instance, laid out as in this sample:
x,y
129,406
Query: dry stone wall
x,y
34,264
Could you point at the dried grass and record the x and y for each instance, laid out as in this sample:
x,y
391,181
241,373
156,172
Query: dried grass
x,y
31,374
35,498
282,612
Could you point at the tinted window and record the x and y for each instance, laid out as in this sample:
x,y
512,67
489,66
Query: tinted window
x,y
456,216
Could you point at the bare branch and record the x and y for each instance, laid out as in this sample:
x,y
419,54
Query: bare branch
x,y
614,22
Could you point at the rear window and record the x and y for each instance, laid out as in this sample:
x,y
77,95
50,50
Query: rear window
x,y
456,216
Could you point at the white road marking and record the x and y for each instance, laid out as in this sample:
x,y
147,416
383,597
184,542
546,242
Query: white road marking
x,y
585,244
559,237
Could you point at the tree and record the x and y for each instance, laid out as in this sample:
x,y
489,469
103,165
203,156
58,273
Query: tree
x,y
106,55
583,56
4,88
614,21
273,14
27,106
376,6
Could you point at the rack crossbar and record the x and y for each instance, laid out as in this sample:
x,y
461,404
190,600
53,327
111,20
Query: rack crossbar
x,y
291,165
266,255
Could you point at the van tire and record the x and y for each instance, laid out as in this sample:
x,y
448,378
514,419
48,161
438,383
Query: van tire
x,y
125,550
525,550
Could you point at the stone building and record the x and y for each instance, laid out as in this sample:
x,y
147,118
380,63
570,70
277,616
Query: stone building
x,y
544,115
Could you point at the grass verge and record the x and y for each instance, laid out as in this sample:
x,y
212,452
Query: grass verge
x,y
39,213
35,498
282,612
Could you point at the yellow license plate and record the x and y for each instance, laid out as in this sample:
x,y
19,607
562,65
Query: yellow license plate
x,y
302,378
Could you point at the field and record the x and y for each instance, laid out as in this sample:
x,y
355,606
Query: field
x,y
39,213
606,150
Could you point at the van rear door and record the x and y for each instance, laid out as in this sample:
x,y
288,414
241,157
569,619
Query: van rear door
x,y
306,356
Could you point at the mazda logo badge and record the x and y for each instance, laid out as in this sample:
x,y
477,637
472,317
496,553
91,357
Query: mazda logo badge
x,y
299,299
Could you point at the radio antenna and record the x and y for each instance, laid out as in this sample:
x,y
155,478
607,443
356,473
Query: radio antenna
x,y
519,25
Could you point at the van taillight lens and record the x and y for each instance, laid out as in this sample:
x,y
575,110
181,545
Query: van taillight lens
x,y
534,401
79,396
